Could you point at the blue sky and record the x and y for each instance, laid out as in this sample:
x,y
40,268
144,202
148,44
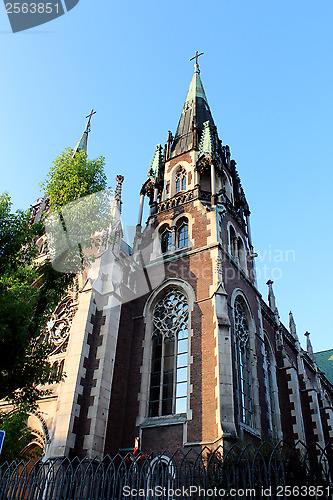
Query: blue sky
x,y
267,73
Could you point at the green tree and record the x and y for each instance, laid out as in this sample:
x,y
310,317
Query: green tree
x,y
29,292
80,209
17,433
73,177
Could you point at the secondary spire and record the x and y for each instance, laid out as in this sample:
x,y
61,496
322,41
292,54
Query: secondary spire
x,y
83,141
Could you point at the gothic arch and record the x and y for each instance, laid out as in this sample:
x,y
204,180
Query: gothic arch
x,y
176,223
239,296
151,302
172,225
39,437
180,167
238,252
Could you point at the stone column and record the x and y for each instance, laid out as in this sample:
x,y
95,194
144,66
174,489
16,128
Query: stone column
x,y
212,179
173,240
249,231
142,199
196,177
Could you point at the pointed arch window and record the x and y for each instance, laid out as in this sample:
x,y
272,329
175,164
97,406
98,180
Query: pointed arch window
x,y
166,239
180,180
233,242
182,233
243,361
168,378
241,254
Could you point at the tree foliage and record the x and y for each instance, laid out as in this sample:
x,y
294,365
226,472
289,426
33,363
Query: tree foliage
x,y
71,178
28,293
17,433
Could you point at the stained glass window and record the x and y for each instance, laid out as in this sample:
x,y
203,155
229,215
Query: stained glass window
x,y
243,360
168,379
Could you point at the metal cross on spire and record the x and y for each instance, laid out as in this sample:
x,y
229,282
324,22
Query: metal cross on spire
x,y
196,58
92,112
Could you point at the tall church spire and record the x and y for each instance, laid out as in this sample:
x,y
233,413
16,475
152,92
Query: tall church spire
x,y
83,141
195,113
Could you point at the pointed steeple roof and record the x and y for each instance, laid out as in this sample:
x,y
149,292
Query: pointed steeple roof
x,y
156,166
207,144
309,348
83,141
292,326
195,113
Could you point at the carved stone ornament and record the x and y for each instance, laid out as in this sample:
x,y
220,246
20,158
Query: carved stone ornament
x,y
59,325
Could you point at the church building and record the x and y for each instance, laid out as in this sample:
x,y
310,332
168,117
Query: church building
x,y
168,343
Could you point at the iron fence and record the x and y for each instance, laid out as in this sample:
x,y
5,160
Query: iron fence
x,y
266,471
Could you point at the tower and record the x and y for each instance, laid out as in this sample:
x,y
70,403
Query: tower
x,y
201,359
191,372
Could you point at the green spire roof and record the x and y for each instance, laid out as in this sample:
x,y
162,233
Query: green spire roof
x,y
83,142
156,166
324,360
196,89
195,113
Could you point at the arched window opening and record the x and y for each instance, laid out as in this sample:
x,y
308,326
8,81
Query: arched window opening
x,y
166,239
233,242
61,367
182,234
268,369
168,379
227,186
181,180
243,361
241,253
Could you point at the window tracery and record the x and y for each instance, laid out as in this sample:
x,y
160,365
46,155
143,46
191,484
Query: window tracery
x,y
168,380
59,325
243,360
